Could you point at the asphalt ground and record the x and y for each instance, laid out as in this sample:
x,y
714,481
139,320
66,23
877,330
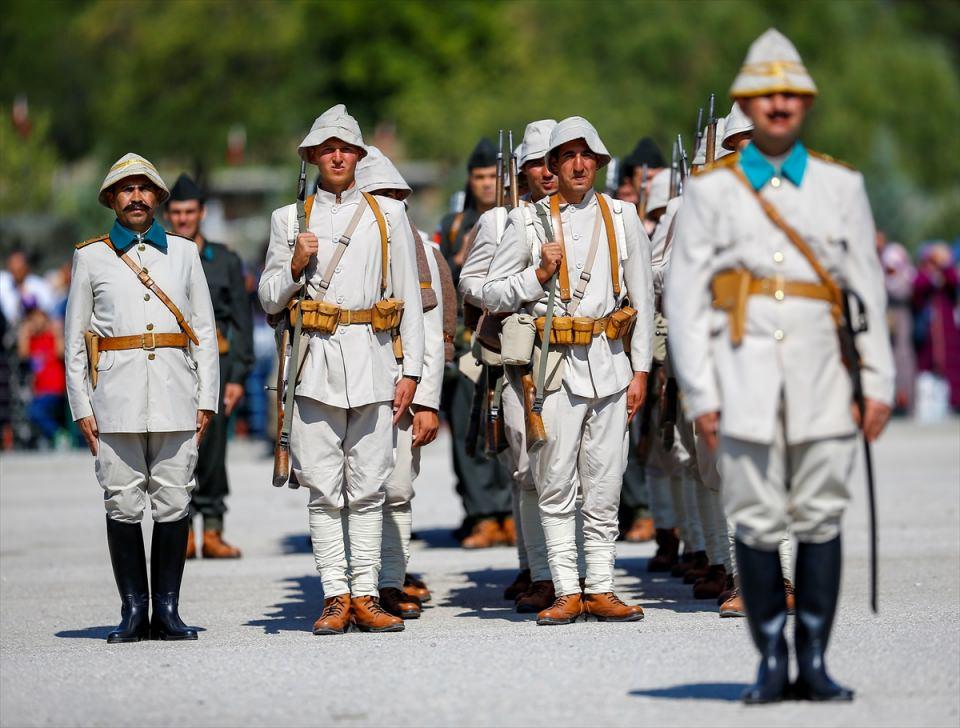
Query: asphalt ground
x,y
470,660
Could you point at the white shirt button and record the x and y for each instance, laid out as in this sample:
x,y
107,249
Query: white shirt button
x,y
334,209
576,236
778,257
141,247
339,299
775,182
778,335
778,294
579,265
338,269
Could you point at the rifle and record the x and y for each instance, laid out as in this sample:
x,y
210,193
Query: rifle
x,y
535,419
536,433
674,173
851,326
495,441
514,184
698,133
642,192
499,202
682,153
711,152
281,456
668,413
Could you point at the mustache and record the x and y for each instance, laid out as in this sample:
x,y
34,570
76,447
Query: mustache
x,y
779,115
136,206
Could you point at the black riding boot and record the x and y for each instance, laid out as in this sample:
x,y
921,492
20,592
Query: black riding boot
x,y
125,541
817,591
761,586
167,556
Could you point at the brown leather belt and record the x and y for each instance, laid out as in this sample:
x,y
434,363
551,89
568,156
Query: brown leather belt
x,y
780,289
363,316
148,342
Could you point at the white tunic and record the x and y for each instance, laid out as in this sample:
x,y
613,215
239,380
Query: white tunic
x,y
601,368
431,381
789,346
138,390
354,365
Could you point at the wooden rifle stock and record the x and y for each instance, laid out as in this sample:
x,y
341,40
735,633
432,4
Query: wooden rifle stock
x,y
476,414
536,433
281,451
495,441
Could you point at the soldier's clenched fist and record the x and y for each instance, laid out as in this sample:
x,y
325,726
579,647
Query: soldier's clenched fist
x,y
306,247
550,256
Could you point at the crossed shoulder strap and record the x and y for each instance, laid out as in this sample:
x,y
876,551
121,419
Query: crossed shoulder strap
x,y
557,224
149,283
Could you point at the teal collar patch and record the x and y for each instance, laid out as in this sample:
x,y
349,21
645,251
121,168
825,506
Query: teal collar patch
x,y
122,238
759,171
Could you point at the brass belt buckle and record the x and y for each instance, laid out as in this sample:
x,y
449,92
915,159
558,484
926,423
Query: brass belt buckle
x,y
153,341
778,287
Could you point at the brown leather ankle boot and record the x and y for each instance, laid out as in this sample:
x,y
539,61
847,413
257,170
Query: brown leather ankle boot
x,y
564,610
519,586
668,548
698,569
369,616
335,616
191,545
399,604
214,547
509,528
711,585
607,607
485,534
416,587
538,597
640,531
733,606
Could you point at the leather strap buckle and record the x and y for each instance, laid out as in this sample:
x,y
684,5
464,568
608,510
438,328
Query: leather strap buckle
x,y
152,339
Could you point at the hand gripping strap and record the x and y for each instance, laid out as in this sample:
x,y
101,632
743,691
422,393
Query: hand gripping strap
x,y
557,225
149,283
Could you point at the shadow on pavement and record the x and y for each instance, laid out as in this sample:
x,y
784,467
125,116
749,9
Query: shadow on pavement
x,y
437,538
483,596
88,633
660,591
296,543
300,608
697,691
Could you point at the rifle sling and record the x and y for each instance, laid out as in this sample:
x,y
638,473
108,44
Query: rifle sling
x,y
151,285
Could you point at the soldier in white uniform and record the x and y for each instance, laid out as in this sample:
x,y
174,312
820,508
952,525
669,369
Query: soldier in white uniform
x,y
592,386
351,392
418,427
533,588
143,383
764,241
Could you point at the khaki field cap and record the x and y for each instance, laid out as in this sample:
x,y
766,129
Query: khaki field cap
x,y
736,123
773,65
576,127
130,165
536,141
659,194
376,172
334,122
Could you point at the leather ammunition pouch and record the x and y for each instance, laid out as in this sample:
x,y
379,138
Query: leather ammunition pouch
x,y
620,323
324,318
732,288
517,337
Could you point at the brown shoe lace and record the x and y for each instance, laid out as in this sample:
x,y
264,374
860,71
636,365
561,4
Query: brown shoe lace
x,y
616,600
561,601
333,609
373,606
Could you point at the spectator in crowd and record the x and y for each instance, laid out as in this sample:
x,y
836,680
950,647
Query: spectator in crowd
x,y
17,283
40,345
937,336
898,275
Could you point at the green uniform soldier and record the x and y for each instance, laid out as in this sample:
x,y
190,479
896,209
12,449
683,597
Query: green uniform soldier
x,y
223,270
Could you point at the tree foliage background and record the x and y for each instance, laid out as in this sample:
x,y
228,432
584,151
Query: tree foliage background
x,y
169,78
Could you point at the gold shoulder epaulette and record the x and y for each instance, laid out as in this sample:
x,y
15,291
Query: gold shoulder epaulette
x,y
828,158
88,241
727,161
